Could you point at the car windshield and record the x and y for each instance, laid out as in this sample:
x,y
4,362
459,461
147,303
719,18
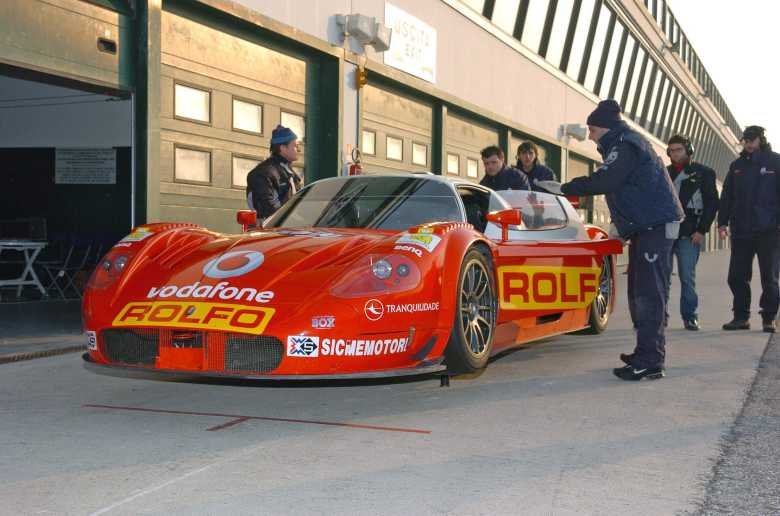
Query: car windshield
x,y
390,203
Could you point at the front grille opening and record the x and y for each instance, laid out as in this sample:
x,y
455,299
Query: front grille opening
x,y
186,339
132,347
252,353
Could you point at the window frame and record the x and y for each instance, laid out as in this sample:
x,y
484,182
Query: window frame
x,y
195,148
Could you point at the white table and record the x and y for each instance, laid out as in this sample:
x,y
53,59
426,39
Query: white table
x,y
30,249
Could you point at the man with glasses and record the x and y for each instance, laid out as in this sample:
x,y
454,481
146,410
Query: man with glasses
x,y
695,185
750,213
271,183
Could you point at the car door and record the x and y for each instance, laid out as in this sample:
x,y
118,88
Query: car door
x,y
548,269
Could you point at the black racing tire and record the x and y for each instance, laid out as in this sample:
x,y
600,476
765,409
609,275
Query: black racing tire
x,y
476,308
605,298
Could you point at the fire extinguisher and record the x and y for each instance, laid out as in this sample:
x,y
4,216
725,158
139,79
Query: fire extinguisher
x,y
355,168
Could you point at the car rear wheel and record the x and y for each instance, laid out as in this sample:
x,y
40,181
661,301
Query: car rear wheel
x,y
471,339
602,304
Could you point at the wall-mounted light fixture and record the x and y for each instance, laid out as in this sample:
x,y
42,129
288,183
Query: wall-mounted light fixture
x,y
365,30
577,131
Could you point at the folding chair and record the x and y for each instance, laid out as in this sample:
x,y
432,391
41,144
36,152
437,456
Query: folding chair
x,y
61,275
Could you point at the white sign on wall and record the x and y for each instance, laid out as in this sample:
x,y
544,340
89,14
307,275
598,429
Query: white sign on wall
x,y
412,46
85,167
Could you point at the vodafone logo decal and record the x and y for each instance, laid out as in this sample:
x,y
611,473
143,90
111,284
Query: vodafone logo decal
x,y
374,309
234,263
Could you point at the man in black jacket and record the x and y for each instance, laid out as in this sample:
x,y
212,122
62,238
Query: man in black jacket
x,y
646,212
750,211
271,183
497,175
695,185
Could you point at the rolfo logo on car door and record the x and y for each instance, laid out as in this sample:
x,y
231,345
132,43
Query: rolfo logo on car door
x,y
535,287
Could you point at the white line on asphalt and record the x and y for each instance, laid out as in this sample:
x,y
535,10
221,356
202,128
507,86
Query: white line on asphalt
x,y
152,490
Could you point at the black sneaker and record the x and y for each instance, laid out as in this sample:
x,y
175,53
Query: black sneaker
x,y
770,326
691,325
632,374
737,324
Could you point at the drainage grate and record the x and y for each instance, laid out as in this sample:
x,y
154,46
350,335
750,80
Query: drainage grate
x,y
257,354
135,347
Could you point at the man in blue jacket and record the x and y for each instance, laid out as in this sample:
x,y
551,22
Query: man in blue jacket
x,y
528,163
750,211
497,175
646,212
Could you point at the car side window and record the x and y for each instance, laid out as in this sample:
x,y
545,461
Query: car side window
x,y
477,205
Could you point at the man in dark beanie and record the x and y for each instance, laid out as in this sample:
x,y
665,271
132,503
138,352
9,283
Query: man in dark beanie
x,y
645,211
271,183
750,211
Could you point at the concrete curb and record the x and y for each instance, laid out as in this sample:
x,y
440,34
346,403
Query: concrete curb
x,y
19,357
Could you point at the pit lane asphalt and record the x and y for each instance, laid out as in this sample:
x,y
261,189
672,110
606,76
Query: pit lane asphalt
x,y
545,430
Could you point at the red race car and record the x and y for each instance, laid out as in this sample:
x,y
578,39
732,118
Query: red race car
x,y
359,276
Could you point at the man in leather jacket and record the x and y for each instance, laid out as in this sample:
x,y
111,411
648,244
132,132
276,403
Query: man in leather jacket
x,y
271,183
695,185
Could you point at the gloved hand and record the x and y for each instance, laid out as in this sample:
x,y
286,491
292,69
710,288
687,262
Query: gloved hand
x,y
554,187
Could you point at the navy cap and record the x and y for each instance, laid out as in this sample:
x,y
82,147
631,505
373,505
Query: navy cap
x,y
282,135
606,114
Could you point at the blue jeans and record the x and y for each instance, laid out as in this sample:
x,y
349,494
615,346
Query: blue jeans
x,y
687,255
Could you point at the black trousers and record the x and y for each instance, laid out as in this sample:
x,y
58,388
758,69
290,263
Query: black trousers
x,y
649,267
765,245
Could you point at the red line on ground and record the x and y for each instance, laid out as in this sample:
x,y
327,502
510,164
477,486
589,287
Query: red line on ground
x,y
263,418
228,424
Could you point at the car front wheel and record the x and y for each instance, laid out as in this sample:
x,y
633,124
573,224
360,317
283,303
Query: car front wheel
x,y
471,339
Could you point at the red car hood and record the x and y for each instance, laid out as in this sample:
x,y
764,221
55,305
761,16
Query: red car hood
x,y
283,262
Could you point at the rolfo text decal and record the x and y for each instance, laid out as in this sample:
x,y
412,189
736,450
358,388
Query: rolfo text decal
x,y
195,315
536,287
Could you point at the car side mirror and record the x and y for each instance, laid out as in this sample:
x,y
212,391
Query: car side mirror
x,y
246,218
574,200
505,218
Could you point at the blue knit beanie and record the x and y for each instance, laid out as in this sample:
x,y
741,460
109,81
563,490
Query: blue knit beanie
x,y
606,114
282,135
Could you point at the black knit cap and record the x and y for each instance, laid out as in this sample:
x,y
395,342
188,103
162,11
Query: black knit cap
x,y
606,114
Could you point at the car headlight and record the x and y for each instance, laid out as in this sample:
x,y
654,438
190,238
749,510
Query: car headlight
x,y
377,275
382,269
110,268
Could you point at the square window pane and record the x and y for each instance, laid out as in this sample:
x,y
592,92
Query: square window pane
x,y
453,164
368,143
192,103
241,167
559,30
472,167
534,23
505,14
193,165
296,123
247,116
395,148
419,154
